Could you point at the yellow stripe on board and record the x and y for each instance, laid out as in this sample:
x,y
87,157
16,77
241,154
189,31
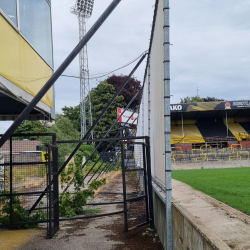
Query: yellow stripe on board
x,y
21,65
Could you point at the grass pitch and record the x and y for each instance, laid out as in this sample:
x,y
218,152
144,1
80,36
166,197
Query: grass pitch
x,y
230,185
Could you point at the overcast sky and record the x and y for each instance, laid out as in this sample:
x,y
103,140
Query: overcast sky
x,y
122,38
211,46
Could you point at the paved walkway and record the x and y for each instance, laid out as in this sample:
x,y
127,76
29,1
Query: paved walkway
x,y
104,233
74,234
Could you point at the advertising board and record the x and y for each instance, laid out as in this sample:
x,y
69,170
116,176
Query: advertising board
x,y
126,115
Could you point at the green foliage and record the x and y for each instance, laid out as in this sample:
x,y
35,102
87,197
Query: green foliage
x,y
92,211
64,131
99,98
87,150
230,186
90,164
212,99
72,204
192,99
73,114
198,99
31,127
19,214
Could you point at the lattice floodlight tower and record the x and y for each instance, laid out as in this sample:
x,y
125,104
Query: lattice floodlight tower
x,y
83,10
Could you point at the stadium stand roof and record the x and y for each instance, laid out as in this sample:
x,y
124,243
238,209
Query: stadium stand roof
x,y
201,110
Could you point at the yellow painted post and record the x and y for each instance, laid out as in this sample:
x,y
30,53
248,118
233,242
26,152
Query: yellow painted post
x,y
243,152
235,145
233,156
202,158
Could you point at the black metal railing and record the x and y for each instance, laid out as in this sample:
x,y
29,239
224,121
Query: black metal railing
x,y
26,172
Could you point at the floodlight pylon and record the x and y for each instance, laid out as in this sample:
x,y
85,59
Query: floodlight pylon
x,y
83,10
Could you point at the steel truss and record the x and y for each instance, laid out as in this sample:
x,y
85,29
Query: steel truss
x,y
85,100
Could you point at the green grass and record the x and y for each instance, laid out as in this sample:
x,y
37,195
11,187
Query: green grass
x,y
92,211
231,185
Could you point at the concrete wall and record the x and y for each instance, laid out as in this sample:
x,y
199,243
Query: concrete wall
x,y
188,232
212,164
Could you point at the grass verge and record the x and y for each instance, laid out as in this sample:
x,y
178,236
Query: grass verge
x,y
92,211
230,185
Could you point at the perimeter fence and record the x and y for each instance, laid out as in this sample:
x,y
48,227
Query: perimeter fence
x,y
29,178
29,168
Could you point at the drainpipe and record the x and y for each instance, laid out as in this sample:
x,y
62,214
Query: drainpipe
x,y
167,123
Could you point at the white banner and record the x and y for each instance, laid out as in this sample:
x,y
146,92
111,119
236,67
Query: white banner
x,y
126,115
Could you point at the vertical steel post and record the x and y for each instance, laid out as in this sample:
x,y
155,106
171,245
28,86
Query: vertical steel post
x,y
142,111
50,195
149,96
150,193
47,193
55,196
11,180
145,179
124,191
167,123
54,139
182,127
227,123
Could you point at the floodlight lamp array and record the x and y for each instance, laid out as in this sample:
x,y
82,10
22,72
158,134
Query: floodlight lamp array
x,y
85,6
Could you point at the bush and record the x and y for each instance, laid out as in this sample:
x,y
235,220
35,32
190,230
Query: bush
x,y
72,204
19,214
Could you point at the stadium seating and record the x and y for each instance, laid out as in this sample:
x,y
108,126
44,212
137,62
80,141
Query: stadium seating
x,y
246,126
209,128
237,130
206,129
191,134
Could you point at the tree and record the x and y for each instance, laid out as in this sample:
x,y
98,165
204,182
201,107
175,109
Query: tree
x,y
212,99
31,127
73,114
130,89
198,99
100,96
191,99
64,130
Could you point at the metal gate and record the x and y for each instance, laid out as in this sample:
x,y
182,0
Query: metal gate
x,y
53,191
137,187
132,154
29,168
